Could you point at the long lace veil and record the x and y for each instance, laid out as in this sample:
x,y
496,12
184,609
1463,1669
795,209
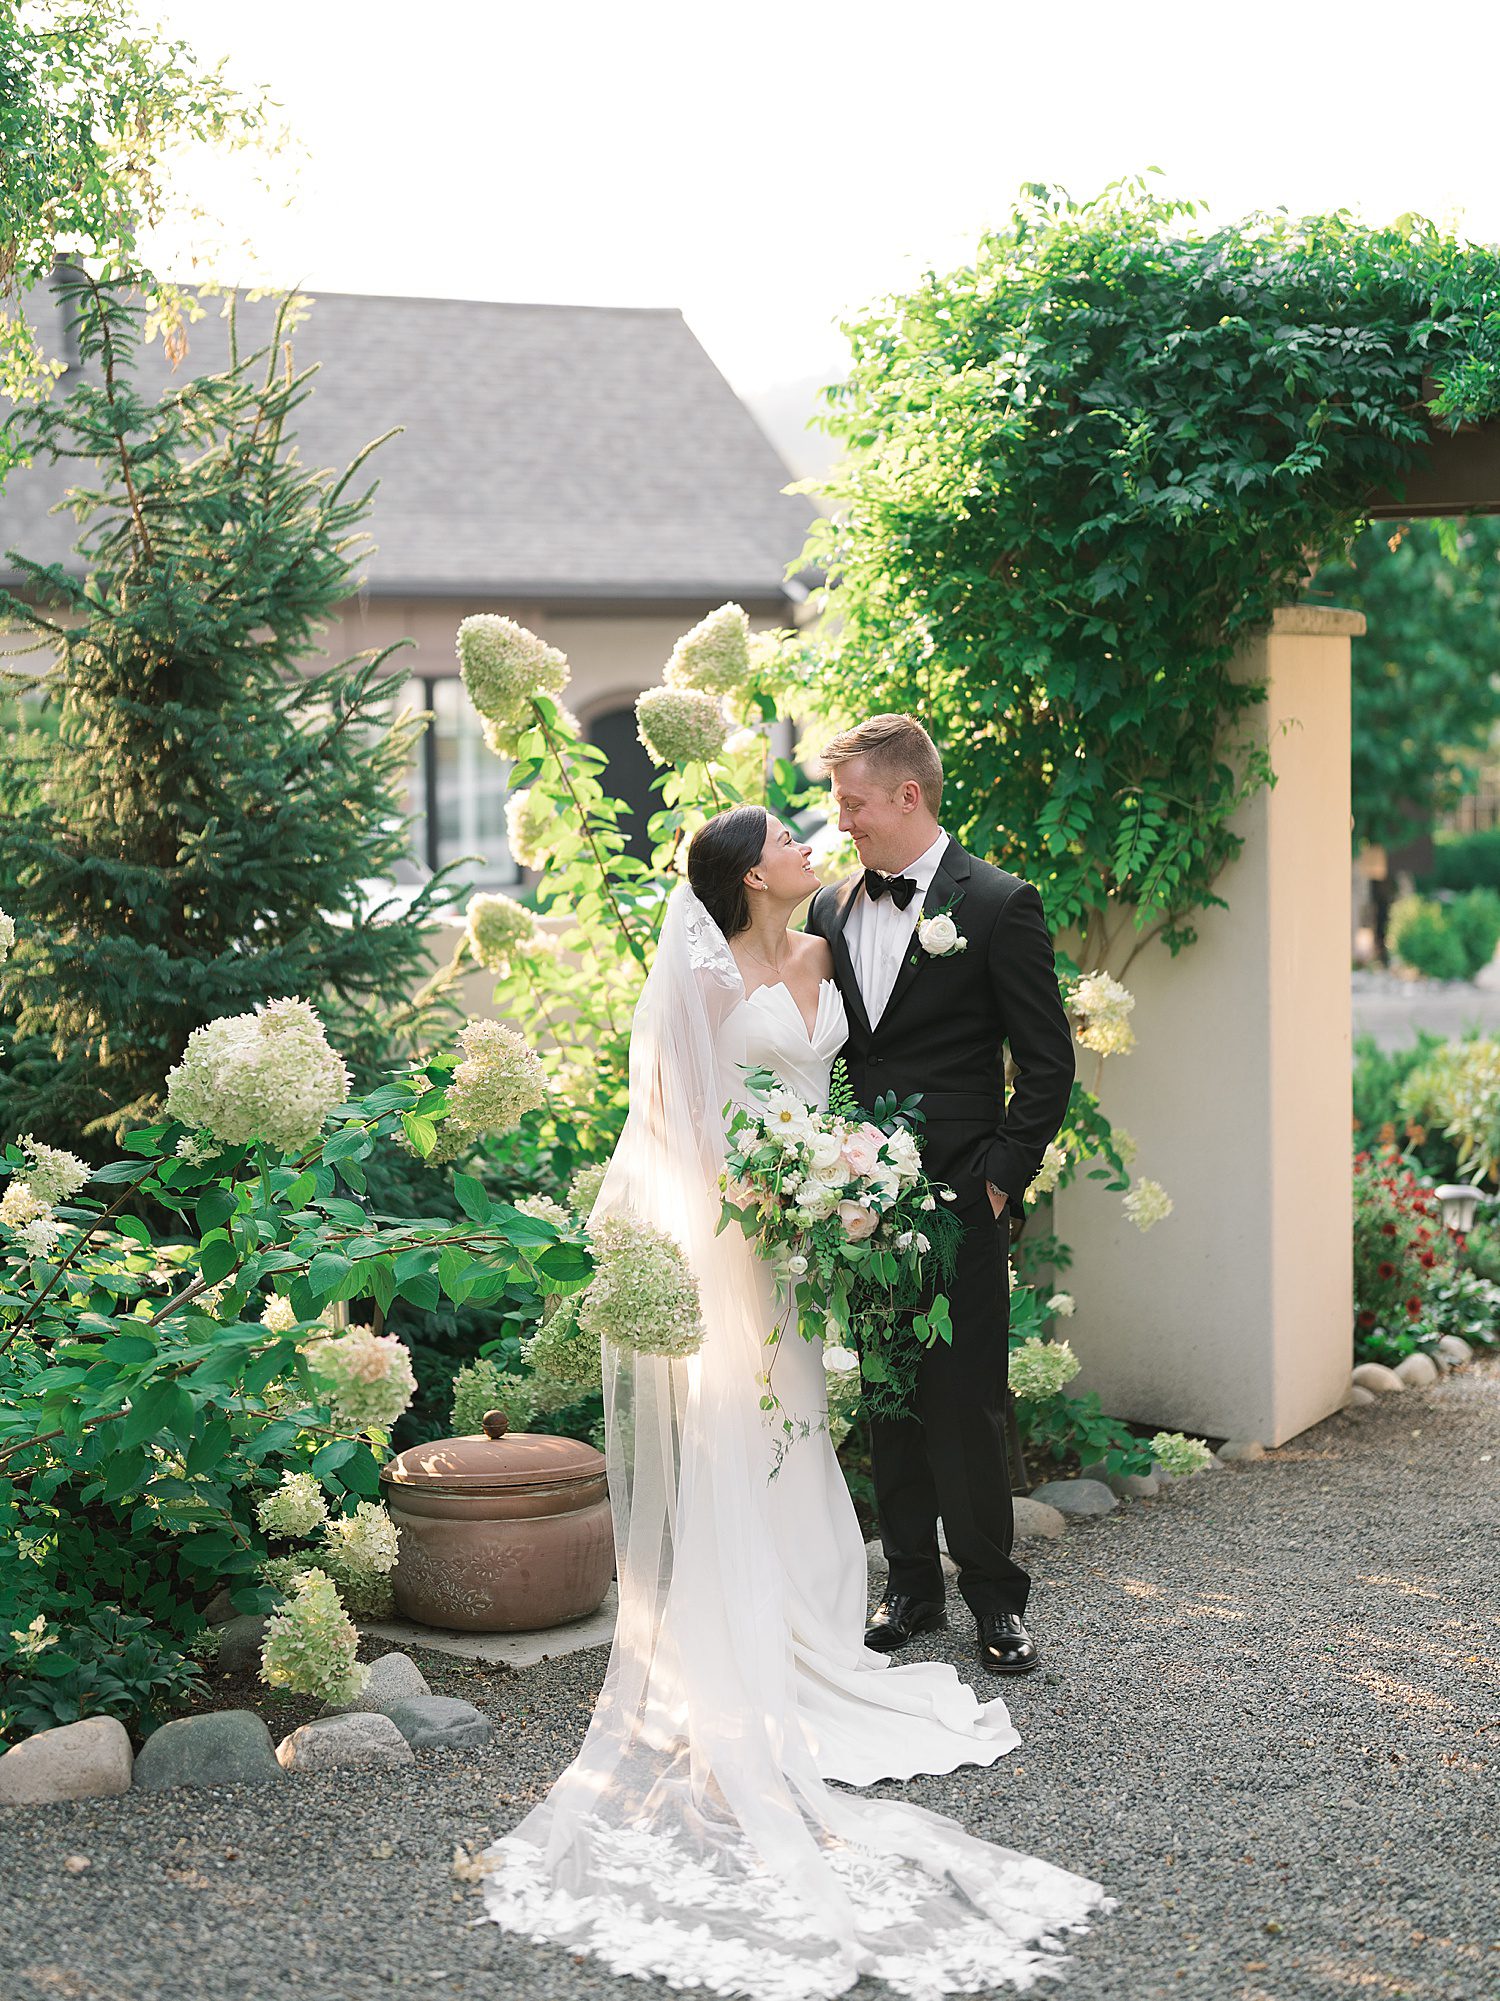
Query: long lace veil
x,y
692,1837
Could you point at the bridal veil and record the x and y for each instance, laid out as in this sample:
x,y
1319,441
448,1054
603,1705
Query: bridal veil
x,y
693,1838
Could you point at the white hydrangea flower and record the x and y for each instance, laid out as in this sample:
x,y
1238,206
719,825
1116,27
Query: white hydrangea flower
x,y
196,1148
20,1205
1147,1204
643,1294
714,657
1101,1006
1180,1455
295,1508
680,725
583,1189
1041,1368
498,928
7,936
529,815
561,1357
266,1076
39,1237
1063,1304
368,1377
1125,1145
1054,1160
546,1210
54,1175
359,1553
311,1645
505,668
500,1079
279,1315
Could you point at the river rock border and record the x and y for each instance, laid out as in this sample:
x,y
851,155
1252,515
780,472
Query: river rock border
x,y
397,1715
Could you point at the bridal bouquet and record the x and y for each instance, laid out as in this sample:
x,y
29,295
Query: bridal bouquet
x,y
838,1203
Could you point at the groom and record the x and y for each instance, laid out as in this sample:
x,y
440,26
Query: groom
x,y
929,1012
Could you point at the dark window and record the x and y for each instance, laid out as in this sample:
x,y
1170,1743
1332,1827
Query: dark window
x,y
630,774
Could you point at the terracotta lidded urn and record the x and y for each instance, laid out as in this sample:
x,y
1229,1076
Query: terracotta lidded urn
x,y
499,1534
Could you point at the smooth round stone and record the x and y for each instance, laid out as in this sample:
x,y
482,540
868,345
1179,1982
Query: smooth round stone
x,y
440,1723
1124,1486
393,1678
1240,1448
1418,1372
228,1747
76,1761
1358,1395
1035,1519
350,1742
1377,1377
1076,1497
1455,1349
240,1641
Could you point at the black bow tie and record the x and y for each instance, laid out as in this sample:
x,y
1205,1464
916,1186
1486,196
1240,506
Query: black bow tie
x,y
900,888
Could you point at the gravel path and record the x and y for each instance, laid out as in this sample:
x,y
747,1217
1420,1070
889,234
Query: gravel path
x,y
1270,1722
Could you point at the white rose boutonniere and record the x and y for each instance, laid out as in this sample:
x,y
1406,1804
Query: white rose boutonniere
x,y
939,936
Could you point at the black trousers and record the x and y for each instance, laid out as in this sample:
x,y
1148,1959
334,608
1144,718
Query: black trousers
x,y
949,1459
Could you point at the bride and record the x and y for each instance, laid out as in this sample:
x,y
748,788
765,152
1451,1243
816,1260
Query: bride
x,y
706,1833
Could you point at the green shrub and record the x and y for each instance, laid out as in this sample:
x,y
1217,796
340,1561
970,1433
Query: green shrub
x,y
1380,1077
1402,1253
1451,940
1465,861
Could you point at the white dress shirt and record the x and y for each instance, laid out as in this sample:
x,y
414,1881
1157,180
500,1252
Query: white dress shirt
x,y
879,933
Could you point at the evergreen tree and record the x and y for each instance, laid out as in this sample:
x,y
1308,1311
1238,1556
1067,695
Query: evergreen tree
x,y
200,829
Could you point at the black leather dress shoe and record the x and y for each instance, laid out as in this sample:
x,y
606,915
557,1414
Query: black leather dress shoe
x,y
1005,1646
898,1618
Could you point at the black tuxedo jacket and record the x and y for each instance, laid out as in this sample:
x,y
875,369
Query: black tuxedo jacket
x,y
944,1025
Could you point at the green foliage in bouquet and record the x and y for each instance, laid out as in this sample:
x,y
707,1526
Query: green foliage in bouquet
x,y
855,1232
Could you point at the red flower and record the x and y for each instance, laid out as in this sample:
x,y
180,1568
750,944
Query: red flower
x,y
1414,1307
1367,1319
1387,1269
1427,1258
1388,1229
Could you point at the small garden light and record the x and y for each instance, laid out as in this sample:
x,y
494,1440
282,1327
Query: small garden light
x,y
1459,1200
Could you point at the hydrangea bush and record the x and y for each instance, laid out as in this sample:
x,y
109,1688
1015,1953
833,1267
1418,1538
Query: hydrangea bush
x,y
175,1395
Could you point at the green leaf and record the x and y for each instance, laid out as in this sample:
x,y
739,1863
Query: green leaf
x,y
216,1207
471,1197
132,1226
566,1262
129,1348
326,1271
328,1458
217,1257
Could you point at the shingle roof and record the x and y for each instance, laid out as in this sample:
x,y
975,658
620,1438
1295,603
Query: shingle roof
x,y
547,451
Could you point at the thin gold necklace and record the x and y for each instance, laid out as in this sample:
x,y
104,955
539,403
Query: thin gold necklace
x,y
770,964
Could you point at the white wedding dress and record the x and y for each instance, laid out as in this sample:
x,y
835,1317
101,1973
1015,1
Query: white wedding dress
x,y
696,1837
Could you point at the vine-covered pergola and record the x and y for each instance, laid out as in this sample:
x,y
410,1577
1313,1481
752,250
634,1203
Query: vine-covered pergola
x,y
1086,478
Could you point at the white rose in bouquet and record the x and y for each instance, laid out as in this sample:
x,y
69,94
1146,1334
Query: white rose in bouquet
x,y
825,1150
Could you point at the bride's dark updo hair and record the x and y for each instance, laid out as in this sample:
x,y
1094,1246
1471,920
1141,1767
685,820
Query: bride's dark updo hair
x,y
718,856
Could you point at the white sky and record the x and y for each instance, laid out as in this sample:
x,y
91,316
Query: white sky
x,y
770,166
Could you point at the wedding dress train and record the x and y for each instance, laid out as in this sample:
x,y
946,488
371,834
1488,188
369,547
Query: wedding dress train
x,y
697,1836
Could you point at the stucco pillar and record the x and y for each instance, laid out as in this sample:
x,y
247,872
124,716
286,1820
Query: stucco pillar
x,y
1233,1317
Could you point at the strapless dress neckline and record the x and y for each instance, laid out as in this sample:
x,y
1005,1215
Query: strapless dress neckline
x,y
780,986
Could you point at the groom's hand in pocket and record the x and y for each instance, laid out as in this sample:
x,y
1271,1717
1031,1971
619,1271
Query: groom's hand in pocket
x,y
998,1199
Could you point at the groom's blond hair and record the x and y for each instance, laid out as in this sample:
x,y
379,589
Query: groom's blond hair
x,y
895,748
